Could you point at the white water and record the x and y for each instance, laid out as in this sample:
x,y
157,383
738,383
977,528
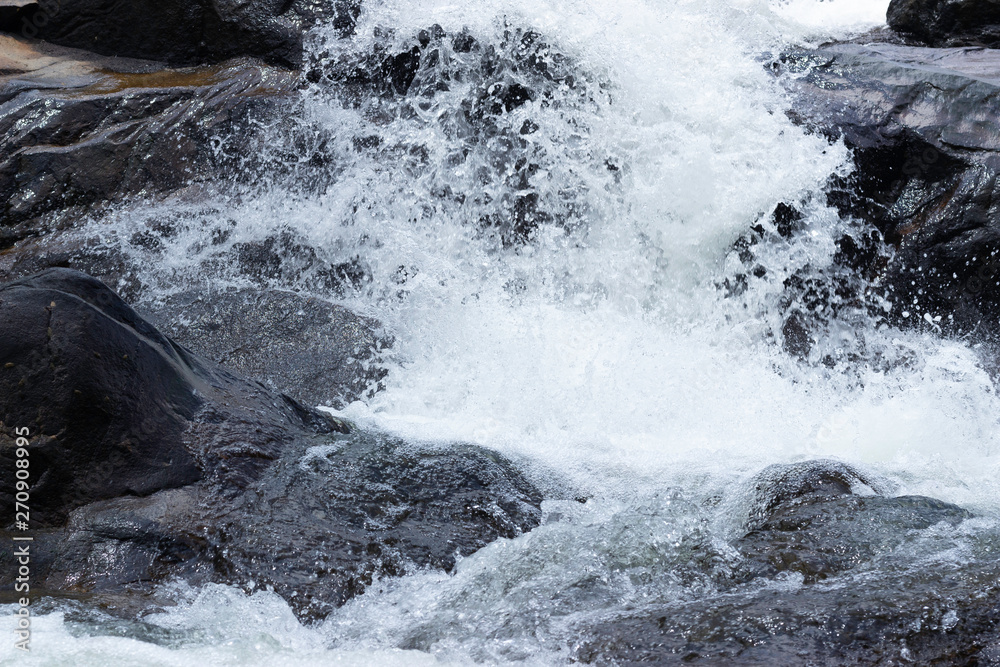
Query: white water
x,y
616,367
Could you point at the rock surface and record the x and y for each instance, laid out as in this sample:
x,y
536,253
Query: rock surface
x,y
148,463
828,577
947,22
312,350
180,32
78,130
923,126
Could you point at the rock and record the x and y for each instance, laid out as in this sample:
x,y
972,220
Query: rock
x,y
862,592
783,485
148,464
314,351
326,521
402,77
78,130
947,22
181,32
945,616
807,519
116,408
923,126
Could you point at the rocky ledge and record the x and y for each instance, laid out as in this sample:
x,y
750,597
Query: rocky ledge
x,y
922,125
79,130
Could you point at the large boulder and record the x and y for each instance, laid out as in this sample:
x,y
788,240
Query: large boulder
x,y
148,463
923,126
947,22
115,408
180,32
93,384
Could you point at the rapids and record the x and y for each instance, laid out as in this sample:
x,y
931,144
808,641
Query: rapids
x,y
553,280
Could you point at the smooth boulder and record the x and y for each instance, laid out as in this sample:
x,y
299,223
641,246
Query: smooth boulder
x,y
149,464
104,397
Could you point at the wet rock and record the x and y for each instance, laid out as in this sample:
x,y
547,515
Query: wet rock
x,y
945,23
78,130
820,538
314,351
829,576
114,407
807,519
53,243
148,464
75,368
922,124
946,615
328,520
486,97
181,32
784,484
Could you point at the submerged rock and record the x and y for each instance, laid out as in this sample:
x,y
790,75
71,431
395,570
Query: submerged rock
x,y
148,463
947,22
812,522
828,576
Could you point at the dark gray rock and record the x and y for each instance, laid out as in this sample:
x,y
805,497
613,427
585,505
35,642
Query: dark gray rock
x,y
326,522
947,22
806,518
181,32
863,598
923,126
312,350
944,616
75,370
78,130
114,407
147,463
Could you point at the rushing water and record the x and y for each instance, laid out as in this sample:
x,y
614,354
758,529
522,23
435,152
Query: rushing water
x,y
554,293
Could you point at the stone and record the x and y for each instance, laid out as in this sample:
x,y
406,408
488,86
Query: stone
x,y
78,131
944,23
149,464
830,576
923,127
181,32
317,352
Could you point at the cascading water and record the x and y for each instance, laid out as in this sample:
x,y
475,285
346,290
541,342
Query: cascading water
x,y
541,206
